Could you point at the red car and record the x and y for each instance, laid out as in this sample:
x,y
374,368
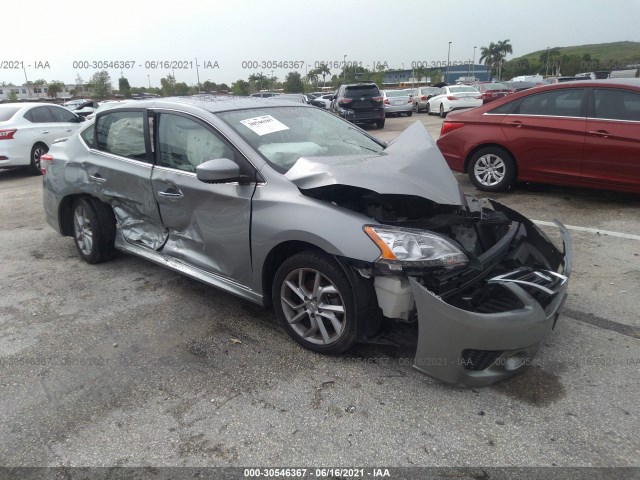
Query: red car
x,y
584,133
492,91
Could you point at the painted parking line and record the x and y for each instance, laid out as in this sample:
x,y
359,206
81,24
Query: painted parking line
x,y
591,230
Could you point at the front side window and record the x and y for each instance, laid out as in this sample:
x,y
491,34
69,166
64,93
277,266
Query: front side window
x,y
184,143
63,115
617,104
122,133
560,103
282,135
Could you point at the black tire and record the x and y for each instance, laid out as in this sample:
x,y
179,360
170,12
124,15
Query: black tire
x,y
492,169
428,109
306,307
380,123
94,230
37,151
442,113
409,113
417,107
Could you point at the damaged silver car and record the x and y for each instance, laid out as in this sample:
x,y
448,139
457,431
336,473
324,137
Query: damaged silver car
x,y
291,206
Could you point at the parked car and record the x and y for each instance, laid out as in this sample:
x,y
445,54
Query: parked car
x,y
323,101
359,103
292,97
582,133
453,97
397,102
491,91
28,130
421,97
519,86
290,206
265,94
411,91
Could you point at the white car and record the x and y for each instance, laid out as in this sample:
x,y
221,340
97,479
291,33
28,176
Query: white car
x,y
323,101
397,102
454,97
28,130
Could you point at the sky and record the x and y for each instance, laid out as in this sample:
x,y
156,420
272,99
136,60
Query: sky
x,y
68,36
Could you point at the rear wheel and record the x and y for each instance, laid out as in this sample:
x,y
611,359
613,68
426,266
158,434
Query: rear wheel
x,y
37,151
94,230
428,109
492,169
380,123
442,112
315,302
409,113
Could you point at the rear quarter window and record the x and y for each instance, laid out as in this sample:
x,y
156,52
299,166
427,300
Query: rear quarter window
x,y
7,112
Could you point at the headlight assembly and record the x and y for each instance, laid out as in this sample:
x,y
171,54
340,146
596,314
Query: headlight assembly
x,y
409,247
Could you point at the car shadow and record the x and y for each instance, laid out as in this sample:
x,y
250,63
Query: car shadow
x,y
15,172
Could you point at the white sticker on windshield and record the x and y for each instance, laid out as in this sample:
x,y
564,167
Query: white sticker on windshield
x,y
263,125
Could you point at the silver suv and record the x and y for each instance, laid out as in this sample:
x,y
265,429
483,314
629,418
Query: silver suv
x,y
286,204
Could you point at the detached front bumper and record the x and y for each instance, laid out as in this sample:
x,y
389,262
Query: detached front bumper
x,y
474,349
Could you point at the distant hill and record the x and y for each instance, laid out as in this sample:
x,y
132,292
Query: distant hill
x,y
603,52
574,59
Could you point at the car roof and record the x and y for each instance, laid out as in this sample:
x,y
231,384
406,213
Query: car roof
x,y
28,104
212,103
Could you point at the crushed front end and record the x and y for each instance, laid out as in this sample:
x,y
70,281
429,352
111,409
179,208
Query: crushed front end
x,y
483,318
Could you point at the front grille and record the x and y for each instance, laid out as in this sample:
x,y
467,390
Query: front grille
x,y
477,360
540,284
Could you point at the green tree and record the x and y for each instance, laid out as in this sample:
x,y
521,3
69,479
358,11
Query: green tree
x,y
13,96
488,57
503,48
55,87
209,86
124,87
259,80
224,87
182,89
293,83
168,84
240,87
100,84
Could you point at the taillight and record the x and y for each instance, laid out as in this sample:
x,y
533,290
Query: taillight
x,y
7,134
478,97
450,127
376,99
451,97
345,101
386,101
43,162
423,97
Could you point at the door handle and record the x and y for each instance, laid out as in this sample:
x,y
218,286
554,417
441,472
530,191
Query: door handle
x,y
97,178
599,133
515,124
45,132
171,193
70,130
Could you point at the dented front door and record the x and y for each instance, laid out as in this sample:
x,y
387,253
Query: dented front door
x,y
208,224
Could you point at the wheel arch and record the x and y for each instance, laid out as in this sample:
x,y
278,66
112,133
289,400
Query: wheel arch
x,y
65,212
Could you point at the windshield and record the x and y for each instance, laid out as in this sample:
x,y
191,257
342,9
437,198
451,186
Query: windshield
x,y
282,135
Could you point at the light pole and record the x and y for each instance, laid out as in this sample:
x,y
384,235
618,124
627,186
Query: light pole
x,y
272,82
546,70
473,63
448,56
149,78
198,75
344,68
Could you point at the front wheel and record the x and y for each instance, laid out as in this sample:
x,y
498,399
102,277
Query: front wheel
x,y
492,169
409,113
442,112
36,152
428,109
315,302
94,230
380,123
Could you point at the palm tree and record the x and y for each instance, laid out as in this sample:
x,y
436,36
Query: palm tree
x,y
257,78
503,47
488,56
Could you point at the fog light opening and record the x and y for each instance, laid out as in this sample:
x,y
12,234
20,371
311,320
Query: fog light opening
x,y
516,361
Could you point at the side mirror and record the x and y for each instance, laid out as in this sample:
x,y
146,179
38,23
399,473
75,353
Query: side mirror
x,y
219,170
81,119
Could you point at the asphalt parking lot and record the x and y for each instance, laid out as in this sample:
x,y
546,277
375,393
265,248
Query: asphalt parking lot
x,y
128,364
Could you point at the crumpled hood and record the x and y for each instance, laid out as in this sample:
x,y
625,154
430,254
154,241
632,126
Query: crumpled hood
x,y
410,165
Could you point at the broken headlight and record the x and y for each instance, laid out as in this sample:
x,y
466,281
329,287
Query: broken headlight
x,y
404,246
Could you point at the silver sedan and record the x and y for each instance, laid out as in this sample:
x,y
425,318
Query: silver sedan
x,y
397,102
291,206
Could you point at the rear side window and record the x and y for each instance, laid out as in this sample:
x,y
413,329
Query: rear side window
x,y
40,115
122,133
358,91
63,115
617,104
504,109
558,103
87,135
7,112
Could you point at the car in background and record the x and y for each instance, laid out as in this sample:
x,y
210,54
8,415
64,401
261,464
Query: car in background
x,y
106,105
265,94
411,91
28,130
397,102
82,108
453,97
522,85
359,103
287,205
292,97
491,91
322,101
423,94
74,104
582,133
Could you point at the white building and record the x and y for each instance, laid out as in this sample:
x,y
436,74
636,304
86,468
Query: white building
x,y
31,92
